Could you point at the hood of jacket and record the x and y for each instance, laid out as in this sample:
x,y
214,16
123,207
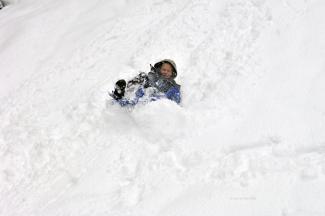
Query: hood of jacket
x,y
169,61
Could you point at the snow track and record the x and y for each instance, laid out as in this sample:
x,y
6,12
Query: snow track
x,y
242,142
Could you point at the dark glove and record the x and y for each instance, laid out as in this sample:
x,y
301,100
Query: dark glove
x,y
119,89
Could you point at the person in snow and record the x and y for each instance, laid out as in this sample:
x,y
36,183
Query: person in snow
x,y
1,5
158,83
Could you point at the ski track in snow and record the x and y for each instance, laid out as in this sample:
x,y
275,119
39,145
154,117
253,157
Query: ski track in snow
x,y
79,155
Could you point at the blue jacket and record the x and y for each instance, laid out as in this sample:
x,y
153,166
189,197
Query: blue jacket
x,y
172,93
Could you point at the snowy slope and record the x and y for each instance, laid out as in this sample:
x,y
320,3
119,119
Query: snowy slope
x,y
248,138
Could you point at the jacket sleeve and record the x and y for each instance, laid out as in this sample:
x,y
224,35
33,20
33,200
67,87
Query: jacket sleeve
x,y
132,102
174,94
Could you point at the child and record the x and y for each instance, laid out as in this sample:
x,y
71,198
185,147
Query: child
x,y
158,83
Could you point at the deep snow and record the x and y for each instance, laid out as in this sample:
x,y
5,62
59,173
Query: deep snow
x,y
248,138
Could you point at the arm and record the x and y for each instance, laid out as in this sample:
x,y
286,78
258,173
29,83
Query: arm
x,y
132,102
140,79
174,94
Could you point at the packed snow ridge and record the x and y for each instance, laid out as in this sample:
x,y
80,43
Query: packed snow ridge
x,y
247,139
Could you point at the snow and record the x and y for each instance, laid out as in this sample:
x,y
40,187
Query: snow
x,y
248,138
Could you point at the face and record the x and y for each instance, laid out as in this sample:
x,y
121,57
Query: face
x,y
166,70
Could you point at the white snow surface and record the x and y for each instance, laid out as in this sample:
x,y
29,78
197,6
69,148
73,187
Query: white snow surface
x,y
248,138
